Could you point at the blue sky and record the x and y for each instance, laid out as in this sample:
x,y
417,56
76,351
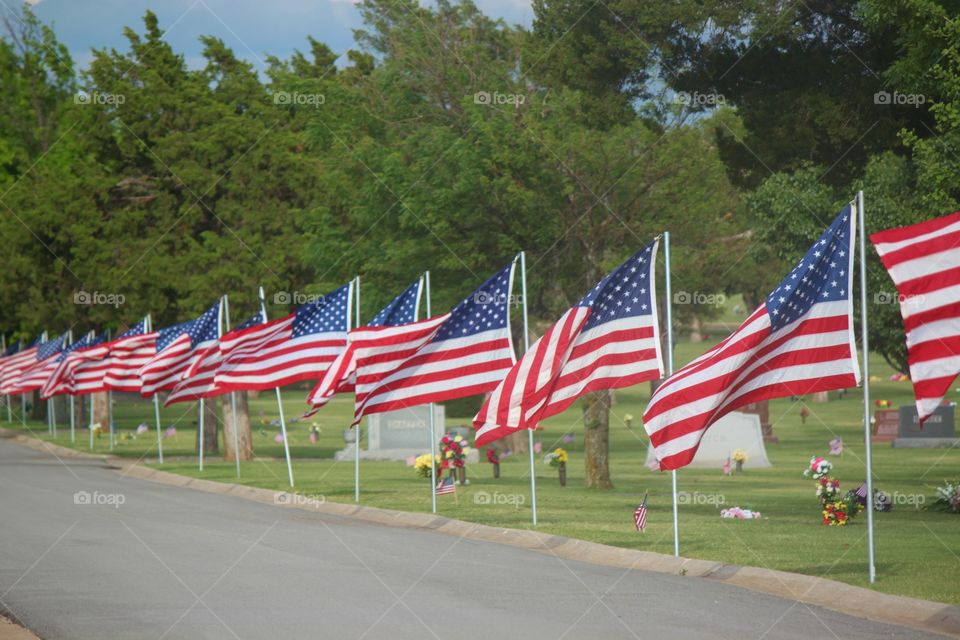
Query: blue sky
x,y
251,28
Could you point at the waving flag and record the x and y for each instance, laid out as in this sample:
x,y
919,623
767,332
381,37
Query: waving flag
x,y
640,515
15,364
608,340
799,341
924,262
120,371
300,346
199,380
34,376
174,347
63,379
462,353
341,376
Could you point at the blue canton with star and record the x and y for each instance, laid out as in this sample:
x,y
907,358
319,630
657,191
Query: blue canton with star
x,y
402,310
485,309
821,276
51,348
136,330
326,315
82,343
200,329
252,321
624,293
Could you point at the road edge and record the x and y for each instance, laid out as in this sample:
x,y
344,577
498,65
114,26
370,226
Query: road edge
x,y
935,617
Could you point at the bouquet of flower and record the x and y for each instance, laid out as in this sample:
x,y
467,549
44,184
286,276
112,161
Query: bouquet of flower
x,y
818,468
454,451
827,489
739,455
557,457
838,513
423,467
740,514
948,497
492,456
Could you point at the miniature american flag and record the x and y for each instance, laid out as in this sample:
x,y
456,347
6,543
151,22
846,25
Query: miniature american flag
x,y
445,486
640,515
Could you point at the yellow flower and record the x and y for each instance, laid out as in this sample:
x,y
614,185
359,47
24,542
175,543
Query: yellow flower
x,y
449,454
561,455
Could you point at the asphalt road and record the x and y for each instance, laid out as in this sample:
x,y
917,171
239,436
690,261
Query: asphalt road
x,y
154,561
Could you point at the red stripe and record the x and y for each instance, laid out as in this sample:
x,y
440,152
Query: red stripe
x,y
915,230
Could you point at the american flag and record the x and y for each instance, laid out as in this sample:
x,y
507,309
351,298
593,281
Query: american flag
x,y
862,491
175,347
923,261
727,466
640,515
799,341
608,340
13,359
445,486
120,370
300,346
341,376
199,378
88,349
34,375
462,353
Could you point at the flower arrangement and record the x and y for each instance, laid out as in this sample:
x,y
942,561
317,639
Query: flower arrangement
x,y
737,513
948,497
628,420
557,457
423,467
739,455
827,489
454,451
492,456
818,468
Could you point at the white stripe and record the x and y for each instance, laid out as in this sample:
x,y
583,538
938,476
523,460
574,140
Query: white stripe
x,y
606,371
938,368
936,330
925,266
435,387
884,248
929,300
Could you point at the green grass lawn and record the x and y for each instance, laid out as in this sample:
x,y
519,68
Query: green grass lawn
x,y
918,549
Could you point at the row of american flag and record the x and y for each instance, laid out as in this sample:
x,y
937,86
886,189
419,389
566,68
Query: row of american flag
x,y
799,341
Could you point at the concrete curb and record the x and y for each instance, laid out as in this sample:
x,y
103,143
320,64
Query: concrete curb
x,y
929,616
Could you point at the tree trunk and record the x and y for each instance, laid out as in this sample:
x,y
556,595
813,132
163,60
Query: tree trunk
x,y
101,410
244,436
695,327
211,425
596,420
38,410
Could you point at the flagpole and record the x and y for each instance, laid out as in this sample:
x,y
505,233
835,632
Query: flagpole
x,y
148,328
113,437
90,428
200,435
6,397
866,386
233,395
433,435
526,347
356,435
673,473
283,420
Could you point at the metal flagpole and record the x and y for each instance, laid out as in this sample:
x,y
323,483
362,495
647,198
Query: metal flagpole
x,y
202,405
90,428
356,435
866,385
233,395
148,327
283,420
433,435
673,473
526,347
113,436
7,398
52,400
